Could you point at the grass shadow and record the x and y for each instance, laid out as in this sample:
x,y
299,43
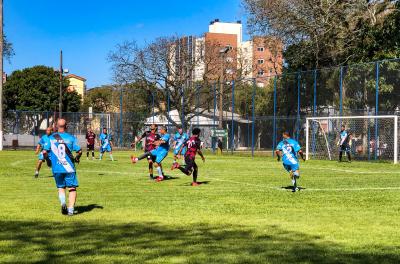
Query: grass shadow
x,y
150,242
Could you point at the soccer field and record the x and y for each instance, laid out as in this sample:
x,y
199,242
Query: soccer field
x,y
242,213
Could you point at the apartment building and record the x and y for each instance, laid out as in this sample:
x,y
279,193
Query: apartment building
x,y
221,54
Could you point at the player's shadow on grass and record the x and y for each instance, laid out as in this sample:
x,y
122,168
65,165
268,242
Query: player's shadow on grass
x,y
152,242
168,178
290,187
87,208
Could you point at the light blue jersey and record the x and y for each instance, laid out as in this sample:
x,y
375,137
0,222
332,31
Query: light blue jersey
x,y
180,140
161,151
42,142
105,140
105,143
343,137
164,146
61,146
289,148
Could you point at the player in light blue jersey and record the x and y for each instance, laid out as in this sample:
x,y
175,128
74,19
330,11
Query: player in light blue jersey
x,y
180,139
158,154
61,145
288,149
105,143
39,149
344,143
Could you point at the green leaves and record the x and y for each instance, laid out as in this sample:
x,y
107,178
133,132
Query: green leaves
x,y
37,89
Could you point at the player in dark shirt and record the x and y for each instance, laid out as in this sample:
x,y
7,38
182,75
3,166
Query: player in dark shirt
x,y
150,138
90,142
193,146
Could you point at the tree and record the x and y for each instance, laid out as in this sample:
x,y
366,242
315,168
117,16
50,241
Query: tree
x,y
8,50
173,73
318,33
37,89
100,99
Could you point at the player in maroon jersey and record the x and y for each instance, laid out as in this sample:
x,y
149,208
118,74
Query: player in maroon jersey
x,y
193,146
150,137
90,141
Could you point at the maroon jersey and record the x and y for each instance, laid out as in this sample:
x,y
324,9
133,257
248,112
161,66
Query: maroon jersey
x,y
193,144
149,140
90,137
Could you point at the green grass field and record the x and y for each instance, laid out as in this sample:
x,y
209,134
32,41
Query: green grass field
x,y
347,213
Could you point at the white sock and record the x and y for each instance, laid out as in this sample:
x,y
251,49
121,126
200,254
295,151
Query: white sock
x,y
160,172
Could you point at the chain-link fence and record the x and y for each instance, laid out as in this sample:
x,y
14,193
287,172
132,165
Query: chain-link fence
x,y
247,115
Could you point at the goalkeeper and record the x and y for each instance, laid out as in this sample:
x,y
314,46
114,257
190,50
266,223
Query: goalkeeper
x,y
344,143
288,149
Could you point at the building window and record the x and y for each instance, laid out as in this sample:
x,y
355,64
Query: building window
x,y
260,48
260,73
260,61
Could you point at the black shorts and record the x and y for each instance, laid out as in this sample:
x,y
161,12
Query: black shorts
x,y
90,147
345,147
190,163
150,157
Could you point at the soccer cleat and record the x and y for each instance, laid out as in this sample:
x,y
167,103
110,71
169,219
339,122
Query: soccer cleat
x,y
64,209
36,174
70,213
175,165
195,184
159,179
295,189
134,159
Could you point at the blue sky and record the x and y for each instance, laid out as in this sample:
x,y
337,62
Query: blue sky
x,y
87,30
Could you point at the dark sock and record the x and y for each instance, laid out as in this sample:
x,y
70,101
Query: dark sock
x,y
195,175
93,154
87,154
340,155
349,156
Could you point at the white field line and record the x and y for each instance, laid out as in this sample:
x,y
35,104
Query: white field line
x,y
263,187
260,187
356,171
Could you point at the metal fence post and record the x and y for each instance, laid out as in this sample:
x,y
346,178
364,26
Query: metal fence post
x,y
314,111
298,105
183,108
120,118
152,106
253,118
376,108
198,104
369,136
274,120
168,110
233,110
341,92
215,106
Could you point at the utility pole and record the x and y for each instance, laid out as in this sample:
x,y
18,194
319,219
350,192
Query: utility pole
x,y
222,54
61,86
1,72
